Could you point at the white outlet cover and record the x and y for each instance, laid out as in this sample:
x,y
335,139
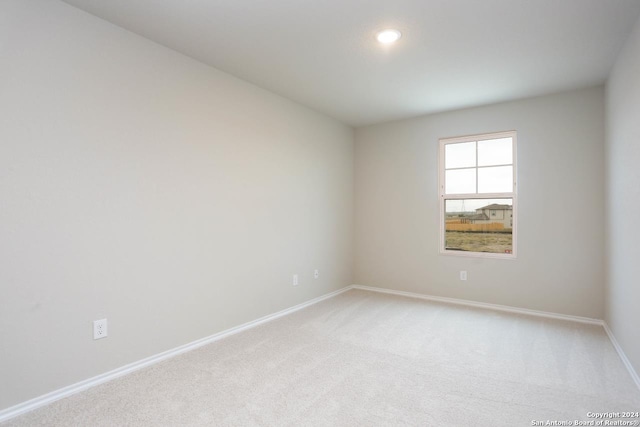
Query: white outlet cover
x,y
316,274
463,275
295,280
100,329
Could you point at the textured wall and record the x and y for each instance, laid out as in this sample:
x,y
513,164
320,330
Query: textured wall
x,y
142,186
561,192
623,199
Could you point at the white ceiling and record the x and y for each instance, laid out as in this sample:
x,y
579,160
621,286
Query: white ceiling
x,y
453,53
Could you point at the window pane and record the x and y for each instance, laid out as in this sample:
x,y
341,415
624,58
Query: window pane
x,y
495,180
495,152
461,155
460,181
479,225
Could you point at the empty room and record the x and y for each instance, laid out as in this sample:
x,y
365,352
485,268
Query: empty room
x,y
247,213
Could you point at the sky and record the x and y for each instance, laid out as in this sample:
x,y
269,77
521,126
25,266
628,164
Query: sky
x,y
478,167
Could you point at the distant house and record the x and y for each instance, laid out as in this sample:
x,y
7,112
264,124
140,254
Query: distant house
x,y
493,213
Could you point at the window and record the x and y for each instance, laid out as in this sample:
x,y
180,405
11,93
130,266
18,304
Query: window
x,y
478,195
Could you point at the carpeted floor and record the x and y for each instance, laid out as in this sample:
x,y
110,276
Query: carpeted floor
x,y
370,359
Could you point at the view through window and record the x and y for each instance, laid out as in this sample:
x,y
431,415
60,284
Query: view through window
x,y
477,194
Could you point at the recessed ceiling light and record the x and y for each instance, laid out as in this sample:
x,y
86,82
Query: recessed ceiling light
x,y
388,36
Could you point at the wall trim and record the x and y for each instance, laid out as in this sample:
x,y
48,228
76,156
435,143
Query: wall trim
x,y
484,305
45,399
30,405
509,309
623,356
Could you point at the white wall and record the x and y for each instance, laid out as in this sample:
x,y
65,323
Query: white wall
x,y
623,199
142,186
560,168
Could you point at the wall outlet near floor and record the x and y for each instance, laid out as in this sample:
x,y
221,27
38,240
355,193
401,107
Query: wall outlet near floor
x,y
99,329
463,275
316,274
295,280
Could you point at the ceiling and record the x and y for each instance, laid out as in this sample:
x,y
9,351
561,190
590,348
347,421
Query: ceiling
x,y
453,53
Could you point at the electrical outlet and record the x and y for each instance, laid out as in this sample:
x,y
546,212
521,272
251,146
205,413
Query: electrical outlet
x,y
99,329
316,274
463,275
295,280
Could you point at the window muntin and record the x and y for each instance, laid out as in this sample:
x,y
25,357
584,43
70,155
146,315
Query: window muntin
x,y
477,195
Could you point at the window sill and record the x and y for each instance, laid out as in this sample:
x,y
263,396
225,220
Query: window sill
x,y
469,254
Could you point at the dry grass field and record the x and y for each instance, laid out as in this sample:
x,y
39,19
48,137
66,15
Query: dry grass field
x,y
479,242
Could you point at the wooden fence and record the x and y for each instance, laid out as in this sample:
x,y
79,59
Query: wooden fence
x,y
457,225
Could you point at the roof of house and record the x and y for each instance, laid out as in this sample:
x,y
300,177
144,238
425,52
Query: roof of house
x,y
496,206
478,216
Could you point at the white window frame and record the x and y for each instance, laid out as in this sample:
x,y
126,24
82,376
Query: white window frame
x,y
510,195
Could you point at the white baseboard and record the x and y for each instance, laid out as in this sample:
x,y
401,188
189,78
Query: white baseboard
x,y
623,356
48,398
484,305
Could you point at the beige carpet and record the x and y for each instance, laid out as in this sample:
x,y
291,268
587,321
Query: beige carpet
x,y
369,359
